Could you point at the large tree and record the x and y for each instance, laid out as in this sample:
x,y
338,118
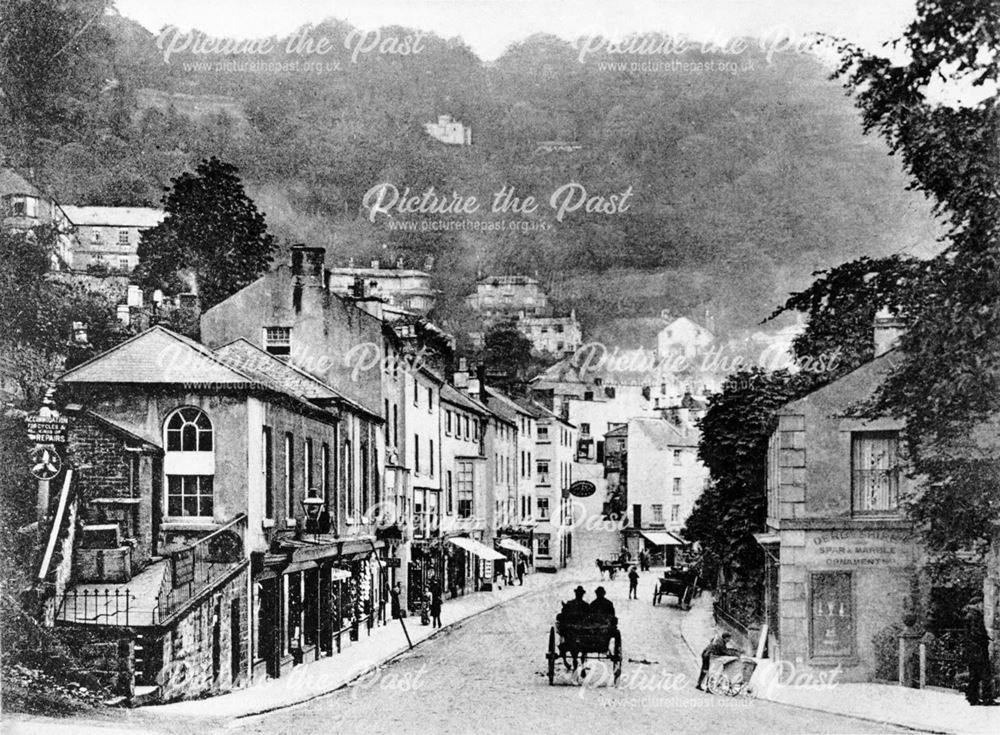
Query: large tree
x,y
939,113
212,233
733,446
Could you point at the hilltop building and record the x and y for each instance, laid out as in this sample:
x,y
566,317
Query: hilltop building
x,y
401,288
522,301
449,131
109,236
23,206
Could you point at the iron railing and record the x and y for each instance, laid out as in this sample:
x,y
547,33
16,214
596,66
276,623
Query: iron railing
x,y
187,573
195,567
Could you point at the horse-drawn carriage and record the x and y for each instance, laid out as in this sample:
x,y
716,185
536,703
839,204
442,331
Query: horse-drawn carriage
x,y
680,582
583,635
611,566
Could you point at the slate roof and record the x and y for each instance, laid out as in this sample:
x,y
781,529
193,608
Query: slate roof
x,y
456,397
12,182
282,377
113,216
158,355
662,433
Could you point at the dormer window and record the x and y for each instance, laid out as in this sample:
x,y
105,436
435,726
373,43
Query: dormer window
x,y
278,340
24,206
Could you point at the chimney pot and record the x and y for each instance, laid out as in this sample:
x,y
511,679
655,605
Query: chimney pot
x,y
888,329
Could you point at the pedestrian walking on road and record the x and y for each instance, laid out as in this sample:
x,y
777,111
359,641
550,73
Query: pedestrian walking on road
x,y
979,691
633,584
521,569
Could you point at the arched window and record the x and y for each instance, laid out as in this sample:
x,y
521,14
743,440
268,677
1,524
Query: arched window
x,y
189,464
189,430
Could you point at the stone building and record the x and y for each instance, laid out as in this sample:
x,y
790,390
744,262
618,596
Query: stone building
x,y
220,497
109,236
841,556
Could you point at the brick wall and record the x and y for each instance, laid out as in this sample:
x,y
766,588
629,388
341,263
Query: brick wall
x,y
103,466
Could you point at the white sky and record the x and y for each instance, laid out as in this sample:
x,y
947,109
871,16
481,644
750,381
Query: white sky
x,y
488,26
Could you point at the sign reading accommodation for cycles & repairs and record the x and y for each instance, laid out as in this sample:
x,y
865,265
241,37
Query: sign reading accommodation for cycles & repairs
x,y
47,429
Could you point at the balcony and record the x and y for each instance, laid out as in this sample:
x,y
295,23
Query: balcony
x,y
164,588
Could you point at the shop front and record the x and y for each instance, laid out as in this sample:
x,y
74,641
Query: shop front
x,y
838,590
516,547
480,560
313,600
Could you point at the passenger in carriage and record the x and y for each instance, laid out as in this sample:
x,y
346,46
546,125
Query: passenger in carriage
x,y
576,606
601,604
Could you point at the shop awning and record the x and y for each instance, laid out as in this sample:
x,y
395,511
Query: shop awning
x,y
299,566
662,538
514,546
474,547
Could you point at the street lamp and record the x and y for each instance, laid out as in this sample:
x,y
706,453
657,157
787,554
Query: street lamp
x,y
313,507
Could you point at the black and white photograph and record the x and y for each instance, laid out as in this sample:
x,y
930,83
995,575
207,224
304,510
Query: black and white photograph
x,y
487,367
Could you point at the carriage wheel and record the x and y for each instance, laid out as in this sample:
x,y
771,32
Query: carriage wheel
x,y
551,656
749,691
617,658
718,684
656,595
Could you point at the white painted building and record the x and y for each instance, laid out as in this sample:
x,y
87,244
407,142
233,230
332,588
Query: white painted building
x,y
450,131
683,336
665,477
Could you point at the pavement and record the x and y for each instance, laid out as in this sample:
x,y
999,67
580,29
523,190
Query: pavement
x,y
927,710
318,678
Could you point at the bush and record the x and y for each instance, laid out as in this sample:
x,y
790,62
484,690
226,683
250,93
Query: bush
x,y
32,691
886,645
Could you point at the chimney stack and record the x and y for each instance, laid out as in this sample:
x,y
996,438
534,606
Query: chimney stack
x,y
888,330
481,379
308,261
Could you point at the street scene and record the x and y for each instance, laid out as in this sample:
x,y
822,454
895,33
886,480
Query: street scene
x,y
551,366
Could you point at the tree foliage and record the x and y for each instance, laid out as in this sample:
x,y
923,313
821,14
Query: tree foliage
x,y
733,446
212,233
947,383
50,64
38,309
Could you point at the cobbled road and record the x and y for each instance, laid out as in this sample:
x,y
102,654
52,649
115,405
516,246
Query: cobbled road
x,y
488,675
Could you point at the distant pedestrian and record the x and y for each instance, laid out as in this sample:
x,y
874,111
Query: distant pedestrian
x,y
394,600
643,561
508,568
979,691
521,569
633,584
436,612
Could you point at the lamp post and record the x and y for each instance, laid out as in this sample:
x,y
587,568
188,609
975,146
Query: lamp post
x,y
312,506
